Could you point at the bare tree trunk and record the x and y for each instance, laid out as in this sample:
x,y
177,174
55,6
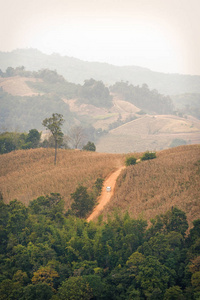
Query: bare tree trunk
x,y
55,151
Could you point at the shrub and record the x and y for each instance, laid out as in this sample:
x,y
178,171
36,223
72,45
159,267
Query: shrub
x,y
98,185
148,155
89,147
131,160
83,202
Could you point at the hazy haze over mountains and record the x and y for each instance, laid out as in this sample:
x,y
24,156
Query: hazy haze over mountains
x,y
155,42
76,70
159,35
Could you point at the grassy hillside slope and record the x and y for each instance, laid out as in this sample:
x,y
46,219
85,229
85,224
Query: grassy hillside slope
x,y
150,132
28,174
17,86
152,187
26,101
148,188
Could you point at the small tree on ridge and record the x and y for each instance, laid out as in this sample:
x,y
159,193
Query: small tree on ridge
x,y
54,125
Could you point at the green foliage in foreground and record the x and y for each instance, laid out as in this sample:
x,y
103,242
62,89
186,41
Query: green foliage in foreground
x,y
45,254
83,202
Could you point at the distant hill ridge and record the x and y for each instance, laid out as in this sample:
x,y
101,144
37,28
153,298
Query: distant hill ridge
x,y
119,119
76,70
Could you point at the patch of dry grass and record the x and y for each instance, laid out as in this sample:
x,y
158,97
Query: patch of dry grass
x,y
28,174
153,187
17,86
150,133
146,189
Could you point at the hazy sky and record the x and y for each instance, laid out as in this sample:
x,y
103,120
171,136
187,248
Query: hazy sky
x,y
162,35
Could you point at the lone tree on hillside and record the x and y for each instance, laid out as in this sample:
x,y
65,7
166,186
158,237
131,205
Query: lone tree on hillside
x,y
54,125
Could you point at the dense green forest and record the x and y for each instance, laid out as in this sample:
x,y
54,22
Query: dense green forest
x,y
46,254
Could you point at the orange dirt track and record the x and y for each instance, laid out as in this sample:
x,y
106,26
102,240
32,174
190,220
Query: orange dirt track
x,y
105,196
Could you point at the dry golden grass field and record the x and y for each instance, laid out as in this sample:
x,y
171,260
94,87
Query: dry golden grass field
x,y
145,189
150,132
17,86
28,174
152,187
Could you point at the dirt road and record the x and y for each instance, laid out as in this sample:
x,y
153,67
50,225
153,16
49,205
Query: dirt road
x,y
105,196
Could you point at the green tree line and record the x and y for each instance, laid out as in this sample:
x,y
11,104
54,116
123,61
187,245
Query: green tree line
x,y
148,100
10,141
46,254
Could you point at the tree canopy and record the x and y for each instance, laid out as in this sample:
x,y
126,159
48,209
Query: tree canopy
x,y
53,124
46,254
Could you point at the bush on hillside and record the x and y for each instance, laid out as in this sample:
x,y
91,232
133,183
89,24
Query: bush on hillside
x,y
148,155
98,185
83,202
131,160
89,147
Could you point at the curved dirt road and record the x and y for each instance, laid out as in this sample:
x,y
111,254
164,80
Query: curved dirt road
x,y
105,196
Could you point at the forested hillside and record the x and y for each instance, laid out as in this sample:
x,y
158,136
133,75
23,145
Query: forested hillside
x,y
47,255
139,248
142,97
25,113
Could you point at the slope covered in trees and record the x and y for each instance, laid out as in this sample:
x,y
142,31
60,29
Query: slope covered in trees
x,y
24,113
46,255
146,253
142,97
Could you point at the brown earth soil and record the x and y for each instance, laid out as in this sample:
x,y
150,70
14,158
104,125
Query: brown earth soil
x,y
105,196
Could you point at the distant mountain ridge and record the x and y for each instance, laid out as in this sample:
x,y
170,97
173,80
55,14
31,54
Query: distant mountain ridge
x,y
76,70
